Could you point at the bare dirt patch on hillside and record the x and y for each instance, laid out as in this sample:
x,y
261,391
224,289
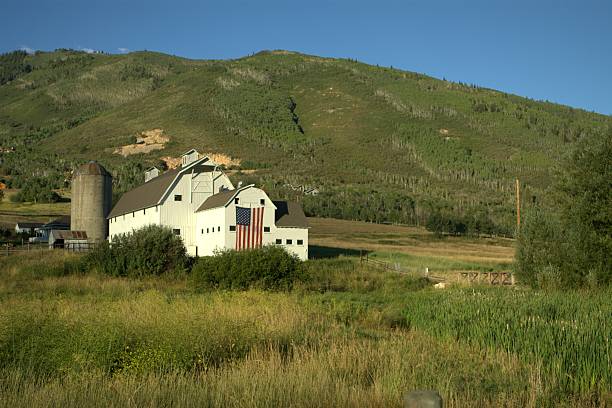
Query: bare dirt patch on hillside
x,y
218,158
146,142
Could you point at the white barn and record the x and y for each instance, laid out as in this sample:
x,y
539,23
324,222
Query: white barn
x,y
199,203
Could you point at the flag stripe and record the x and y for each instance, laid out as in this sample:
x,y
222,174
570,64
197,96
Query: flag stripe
x,y
249,227
260,226
252,227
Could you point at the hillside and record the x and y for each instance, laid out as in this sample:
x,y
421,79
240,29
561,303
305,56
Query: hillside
x,y
379,144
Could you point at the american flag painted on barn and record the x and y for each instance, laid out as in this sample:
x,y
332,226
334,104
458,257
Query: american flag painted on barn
x,y
249,227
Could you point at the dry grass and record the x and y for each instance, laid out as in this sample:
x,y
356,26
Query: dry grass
x,y
408,240
346,372
340,339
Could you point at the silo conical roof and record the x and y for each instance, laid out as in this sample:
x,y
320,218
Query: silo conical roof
x,y
91,168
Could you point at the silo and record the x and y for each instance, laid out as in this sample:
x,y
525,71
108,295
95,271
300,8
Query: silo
x,y
91,201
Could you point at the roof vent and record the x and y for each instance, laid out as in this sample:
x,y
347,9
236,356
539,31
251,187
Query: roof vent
x,y
239,184
189,157
151,173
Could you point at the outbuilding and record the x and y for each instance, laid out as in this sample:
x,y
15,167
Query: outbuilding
x,y
27,227
71,240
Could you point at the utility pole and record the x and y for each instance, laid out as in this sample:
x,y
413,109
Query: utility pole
x,y
518,204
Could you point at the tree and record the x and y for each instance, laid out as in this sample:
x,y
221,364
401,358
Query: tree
x,y
585,188
575,241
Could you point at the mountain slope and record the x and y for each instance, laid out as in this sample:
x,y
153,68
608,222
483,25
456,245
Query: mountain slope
x,y
380,144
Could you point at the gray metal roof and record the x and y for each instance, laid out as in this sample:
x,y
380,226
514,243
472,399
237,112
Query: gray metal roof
x,y
289,214
145,195
29,224
218,200
62,222
63,234
150,193
91,168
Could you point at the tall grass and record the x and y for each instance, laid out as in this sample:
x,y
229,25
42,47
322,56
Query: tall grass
x,y
568,333
344,372
340,338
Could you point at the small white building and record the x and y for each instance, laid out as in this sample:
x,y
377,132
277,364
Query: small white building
x,y
199,203
27,227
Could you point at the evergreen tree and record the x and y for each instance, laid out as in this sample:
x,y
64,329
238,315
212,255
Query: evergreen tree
x,y
586,192
574,244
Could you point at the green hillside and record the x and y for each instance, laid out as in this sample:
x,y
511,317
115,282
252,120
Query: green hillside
x,y
380,144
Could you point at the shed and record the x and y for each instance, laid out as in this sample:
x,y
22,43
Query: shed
x,y
72,240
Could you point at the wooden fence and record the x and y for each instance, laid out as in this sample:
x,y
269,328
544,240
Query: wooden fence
x,y
471,277
7,250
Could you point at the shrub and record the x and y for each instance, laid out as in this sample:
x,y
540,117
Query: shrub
x,y
266,268
151,250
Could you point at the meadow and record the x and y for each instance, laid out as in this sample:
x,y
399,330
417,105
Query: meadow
x,y
349,335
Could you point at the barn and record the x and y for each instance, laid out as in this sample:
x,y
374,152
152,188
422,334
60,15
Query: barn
x,y
200,204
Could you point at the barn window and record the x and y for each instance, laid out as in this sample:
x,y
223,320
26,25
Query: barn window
x,y
144,211
289,241
176,231
207,230
300,242
266,229
218,229
232,228
178,197
279,241
236,200
133,214
262,201
202,230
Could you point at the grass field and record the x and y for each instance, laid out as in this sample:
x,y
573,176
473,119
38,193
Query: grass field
x,y
413,248
349,336
11,212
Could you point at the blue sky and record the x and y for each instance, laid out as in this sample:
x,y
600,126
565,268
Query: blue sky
x,y
555,50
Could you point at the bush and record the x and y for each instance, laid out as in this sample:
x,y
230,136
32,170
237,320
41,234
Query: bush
x,y
269,267
151,250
